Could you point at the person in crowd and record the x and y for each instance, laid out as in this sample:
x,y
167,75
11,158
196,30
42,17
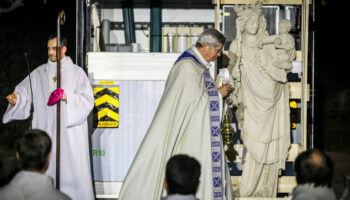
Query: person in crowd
x,y
314,173
182,178
33,151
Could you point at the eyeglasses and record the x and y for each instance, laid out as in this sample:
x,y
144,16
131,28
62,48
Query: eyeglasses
x,y
218,50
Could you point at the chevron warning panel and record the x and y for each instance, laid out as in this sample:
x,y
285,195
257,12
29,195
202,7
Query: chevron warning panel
x,y
106,110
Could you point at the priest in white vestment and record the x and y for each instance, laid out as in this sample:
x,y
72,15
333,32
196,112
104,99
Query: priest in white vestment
x,y
187,121
76,104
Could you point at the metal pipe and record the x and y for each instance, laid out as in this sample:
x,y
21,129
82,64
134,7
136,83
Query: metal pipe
x,y
304,45
312,134
106,28
80,31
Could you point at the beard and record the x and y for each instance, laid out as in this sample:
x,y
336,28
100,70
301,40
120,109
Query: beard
x,y
53,58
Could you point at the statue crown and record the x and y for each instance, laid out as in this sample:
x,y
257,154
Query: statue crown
x,y
248,9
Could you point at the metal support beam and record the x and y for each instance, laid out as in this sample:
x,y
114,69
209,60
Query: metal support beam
x,y
129,24
270,2
156,27
217,15
304,79
80,32
87,28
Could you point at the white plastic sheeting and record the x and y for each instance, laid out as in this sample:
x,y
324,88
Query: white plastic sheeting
x,y
141,79
115,148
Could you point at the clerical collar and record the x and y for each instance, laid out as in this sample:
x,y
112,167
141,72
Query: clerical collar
x,y
200,57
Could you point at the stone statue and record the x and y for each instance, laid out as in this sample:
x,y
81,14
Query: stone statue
x,y
258,73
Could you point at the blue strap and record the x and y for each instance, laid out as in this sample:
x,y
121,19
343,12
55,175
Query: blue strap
x,y
187,55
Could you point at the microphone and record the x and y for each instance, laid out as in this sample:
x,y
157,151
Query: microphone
x,y
31,92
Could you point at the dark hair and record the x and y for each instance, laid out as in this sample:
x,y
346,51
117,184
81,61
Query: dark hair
x,y
33,148
182,174
314,166
63,41
9,166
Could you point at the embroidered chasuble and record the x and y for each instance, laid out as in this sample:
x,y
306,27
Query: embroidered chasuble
x,y
187,121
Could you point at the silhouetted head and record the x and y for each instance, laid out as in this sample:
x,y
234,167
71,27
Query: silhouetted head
x,y
182,175
314,166
33,150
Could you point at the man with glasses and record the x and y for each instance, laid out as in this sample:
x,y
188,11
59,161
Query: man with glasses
x,y
187,121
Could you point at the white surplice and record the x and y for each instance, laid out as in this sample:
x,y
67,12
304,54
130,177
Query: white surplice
x,y
75,170
181,125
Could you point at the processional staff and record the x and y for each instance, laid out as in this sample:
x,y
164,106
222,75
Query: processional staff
x,y
60,21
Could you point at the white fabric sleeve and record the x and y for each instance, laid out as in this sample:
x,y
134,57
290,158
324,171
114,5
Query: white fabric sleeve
x,y
80,102
21,109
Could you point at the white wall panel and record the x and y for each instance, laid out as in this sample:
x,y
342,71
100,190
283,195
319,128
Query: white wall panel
x,y
130,66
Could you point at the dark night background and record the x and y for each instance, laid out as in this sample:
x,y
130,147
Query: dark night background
x,y
26,29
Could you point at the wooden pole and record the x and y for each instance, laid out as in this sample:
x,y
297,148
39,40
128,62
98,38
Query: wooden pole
x,y
60,20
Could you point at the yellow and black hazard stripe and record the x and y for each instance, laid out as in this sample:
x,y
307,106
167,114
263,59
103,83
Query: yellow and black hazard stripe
x,y
106,110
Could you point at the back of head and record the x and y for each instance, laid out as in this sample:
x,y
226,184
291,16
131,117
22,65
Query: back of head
x,y
182,175
212,37
33,149
314,166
